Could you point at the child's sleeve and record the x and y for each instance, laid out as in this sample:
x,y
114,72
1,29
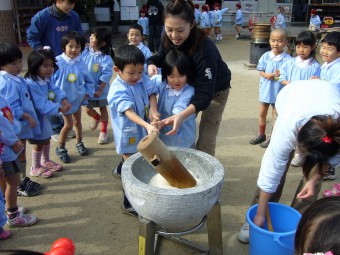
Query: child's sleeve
x,y
88,80
261,66
8,133
283,72
183,99
106,70
12,96
149,85
157,82
121,100
36,31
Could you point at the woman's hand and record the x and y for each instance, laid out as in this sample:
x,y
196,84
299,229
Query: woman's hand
x,y
175,120
309,189
152,70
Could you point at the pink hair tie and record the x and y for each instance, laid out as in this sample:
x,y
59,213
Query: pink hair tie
x,y
320,253
327,139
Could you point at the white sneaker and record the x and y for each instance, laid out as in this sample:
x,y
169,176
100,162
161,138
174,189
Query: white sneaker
x,y
55,137
71,134
22,220
103,137
297,160
243,236
237,36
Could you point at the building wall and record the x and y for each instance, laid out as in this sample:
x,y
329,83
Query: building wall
x,y
6,21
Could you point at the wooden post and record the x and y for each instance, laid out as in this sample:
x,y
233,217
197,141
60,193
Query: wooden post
x,y
165,162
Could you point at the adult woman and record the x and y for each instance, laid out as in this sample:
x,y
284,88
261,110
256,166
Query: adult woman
x,y
313,124
211,73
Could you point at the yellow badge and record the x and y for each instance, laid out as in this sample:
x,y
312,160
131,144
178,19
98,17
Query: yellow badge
x,y
51,95
132,140
95,68
72,77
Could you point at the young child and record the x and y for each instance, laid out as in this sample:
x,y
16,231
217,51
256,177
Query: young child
x,y
269,65
14,89
11,147
99,59
205,22
135,37
216,21
144,22
197,14
238,20
130,96
48,101
4,234
315,22
75,80
280,19
305,65
330,53
318,229
174,96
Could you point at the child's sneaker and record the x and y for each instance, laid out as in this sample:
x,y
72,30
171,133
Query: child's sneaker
x,y
63,155
103,137
334,192
297,160
53,166
330,175
266,143
22,220
26,180
129,210
258,139
243,236
71,134
27,189
42,172
94,124
81,149
5,234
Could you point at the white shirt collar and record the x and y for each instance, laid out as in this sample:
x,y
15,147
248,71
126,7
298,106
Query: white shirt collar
x,y
95,52
11,76
327,65
303,63
276,57
70,61
41,81
139,46
173,92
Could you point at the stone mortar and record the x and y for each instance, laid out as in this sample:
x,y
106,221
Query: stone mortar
x,y
174,209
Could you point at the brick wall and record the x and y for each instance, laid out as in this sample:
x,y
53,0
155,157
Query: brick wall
x,y
6,26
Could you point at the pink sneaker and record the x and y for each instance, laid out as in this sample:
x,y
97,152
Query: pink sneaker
x,y
53,166
42,172
22,220
5,234
334,192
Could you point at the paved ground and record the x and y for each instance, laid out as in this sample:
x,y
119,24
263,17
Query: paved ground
x,y
83,201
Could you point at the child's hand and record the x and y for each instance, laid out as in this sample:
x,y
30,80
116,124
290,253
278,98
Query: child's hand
x,y
314,77
270,76
17,146
30,120
154,115
98,93
65,104
151,129
152,70
85,97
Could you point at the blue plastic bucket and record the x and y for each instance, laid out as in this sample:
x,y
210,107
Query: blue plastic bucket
x,y
281,242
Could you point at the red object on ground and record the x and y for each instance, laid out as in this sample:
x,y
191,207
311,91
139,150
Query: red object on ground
x,y
62,246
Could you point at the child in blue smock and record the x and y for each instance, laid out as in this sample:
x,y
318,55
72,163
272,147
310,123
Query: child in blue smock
x,y
74,79
131,98
205,23
14,89
238,20
11,146
174,94
99,59
280,18
48,101
314,22
269,65
135,37
216,21
144,22
330,53
4,234
197,14
304,66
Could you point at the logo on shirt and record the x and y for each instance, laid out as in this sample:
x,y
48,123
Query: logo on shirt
x,y
71,77
61,28
208,73
7,114
153,10
95,68
132,140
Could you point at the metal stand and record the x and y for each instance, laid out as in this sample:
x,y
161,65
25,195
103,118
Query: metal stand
x,y
149,235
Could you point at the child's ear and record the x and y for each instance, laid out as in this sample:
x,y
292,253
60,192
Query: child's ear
x,y
116,69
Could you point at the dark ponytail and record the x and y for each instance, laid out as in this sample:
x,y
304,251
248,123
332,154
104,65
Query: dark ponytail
x,y
318,140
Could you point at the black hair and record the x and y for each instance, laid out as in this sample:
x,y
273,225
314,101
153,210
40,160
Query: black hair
x,y
50,2
318,140
35,59
103,35
72,35
318,229
333,39
179,60
136,26
9,53
184,9
307,38
128,54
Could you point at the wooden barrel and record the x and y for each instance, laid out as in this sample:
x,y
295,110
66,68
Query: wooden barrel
x,y
261,32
